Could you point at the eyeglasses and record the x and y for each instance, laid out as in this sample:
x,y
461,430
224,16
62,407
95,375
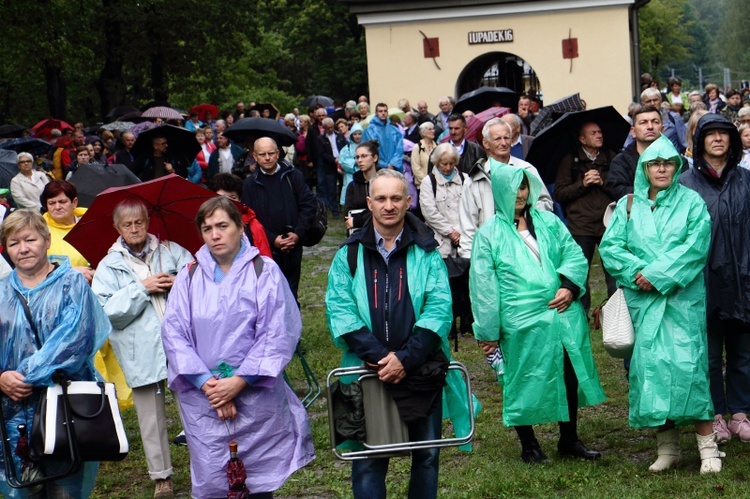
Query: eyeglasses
x,y
657,163
362,156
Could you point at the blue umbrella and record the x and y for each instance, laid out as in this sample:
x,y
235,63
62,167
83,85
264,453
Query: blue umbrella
x,y
37,147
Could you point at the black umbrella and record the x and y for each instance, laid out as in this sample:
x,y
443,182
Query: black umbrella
x,y
11,130
561,138
259,127
92,179
548,114
486,97
8,167
271,108
314,100
119,111
36,147
179,141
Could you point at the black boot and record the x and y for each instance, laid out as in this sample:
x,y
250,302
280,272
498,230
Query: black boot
x,y
577,449
532,454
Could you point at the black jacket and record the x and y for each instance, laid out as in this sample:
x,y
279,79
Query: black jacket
x,y
356,199
472,153
325,151
297,202
145,165
622,172
728,202
391,308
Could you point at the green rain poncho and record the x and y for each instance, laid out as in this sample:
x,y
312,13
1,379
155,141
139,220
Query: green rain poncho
x,y
510,290
667,241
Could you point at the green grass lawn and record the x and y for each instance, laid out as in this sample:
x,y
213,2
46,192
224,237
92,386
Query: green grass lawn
x,y
494,468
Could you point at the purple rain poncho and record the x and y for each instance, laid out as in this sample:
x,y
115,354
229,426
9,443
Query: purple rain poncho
x,y
252,324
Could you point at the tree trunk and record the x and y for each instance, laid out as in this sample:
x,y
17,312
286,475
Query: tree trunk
x,y
158,77
57,94
111,85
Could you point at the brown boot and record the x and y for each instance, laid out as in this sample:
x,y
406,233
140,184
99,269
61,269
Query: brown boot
x,y
163,489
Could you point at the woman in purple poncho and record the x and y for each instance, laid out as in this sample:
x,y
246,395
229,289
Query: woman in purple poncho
x,y
230,329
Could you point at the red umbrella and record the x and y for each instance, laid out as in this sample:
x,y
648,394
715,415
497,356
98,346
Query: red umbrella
x,y
172,205
43,129
475,124
165,113
202,109
236,475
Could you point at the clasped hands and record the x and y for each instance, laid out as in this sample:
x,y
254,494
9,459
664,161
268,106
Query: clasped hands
x,y
389,368
221,393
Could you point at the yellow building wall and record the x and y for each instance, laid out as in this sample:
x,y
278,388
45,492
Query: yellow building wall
x,y
601,73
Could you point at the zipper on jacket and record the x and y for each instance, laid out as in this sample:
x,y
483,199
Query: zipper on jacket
x,y
400,281
375,284
386,301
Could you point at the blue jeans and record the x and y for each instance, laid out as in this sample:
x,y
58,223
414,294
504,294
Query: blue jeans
x,y
368,475
734,337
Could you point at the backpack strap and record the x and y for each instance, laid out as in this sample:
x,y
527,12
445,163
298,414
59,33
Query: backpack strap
x,y
351,257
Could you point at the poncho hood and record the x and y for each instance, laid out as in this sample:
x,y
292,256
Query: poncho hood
x,y
506,180
661,148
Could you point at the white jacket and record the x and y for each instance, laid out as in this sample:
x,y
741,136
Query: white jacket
x,y
440,210
26,191
478,205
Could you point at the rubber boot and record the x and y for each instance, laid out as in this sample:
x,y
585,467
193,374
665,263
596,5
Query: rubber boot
x,y
710,453
667,449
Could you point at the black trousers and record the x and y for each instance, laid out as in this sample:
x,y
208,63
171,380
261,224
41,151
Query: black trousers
x,y
588,244
290,264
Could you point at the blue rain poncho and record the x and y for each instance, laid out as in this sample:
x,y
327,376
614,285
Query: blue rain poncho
x,y
510,290
667,241
72,327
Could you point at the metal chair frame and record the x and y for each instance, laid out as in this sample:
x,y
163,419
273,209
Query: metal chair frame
x,y
313,386
378,451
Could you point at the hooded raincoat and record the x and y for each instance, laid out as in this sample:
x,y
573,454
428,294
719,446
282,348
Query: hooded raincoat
x,y
250,325
510,290
667,241
728,202
347,161
72,326
391,142
348,310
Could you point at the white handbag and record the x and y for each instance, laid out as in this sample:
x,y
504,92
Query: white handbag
x,y
617,326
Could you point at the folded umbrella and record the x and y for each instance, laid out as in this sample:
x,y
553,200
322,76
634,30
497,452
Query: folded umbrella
x,y
260,127
172,204
486,97
236,475
561,138
92,179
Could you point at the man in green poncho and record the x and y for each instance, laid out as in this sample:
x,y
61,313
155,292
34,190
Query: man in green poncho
x,y
390,309
526,276
657,253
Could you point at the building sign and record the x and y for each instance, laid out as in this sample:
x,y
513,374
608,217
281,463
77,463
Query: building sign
x,y
494,36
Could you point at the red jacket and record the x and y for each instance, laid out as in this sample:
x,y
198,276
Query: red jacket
x,y
256,232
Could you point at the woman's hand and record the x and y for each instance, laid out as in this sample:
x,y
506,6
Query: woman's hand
x,y
158,283
227,411
87,272
643,283
562,300
488,347
12,385
223,390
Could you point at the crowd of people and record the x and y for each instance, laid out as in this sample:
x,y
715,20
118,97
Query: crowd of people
x,y
448,234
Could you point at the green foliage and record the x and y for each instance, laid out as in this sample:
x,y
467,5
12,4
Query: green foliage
x,y
91,55
664,34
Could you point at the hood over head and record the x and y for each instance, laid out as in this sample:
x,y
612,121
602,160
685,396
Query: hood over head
x,y
356,127
712,122
506,180
661,148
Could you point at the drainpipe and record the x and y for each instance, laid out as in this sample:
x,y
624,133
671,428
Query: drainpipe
x,y
635,44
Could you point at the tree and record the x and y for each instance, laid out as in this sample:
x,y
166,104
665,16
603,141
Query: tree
x,y
664,34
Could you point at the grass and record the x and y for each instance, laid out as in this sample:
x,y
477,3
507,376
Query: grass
x,y
494,468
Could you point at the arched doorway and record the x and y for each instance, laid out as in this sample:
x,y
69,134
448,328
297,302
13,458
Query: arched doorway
x,y
499,69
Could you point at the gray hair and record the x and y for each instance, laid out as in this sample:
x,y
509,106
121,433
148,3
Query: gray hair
x,y
744,111
26,155
513,120
327,121
388,173
491,123
424,126
402,103
650,93
442,150
290,117
350,105
129,208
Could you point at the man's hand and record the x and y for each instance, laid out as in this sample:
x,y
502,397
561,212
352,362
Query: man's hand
x,y
643,283
224,390
455,237
592,177
287,243
349,221
562,299
12,385
87,272
158,283
390,369
487,346
168,167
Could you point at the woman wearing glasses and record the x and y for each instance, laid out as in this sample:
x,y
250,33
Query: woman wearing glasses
x,y
27,186
656,251
366,156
